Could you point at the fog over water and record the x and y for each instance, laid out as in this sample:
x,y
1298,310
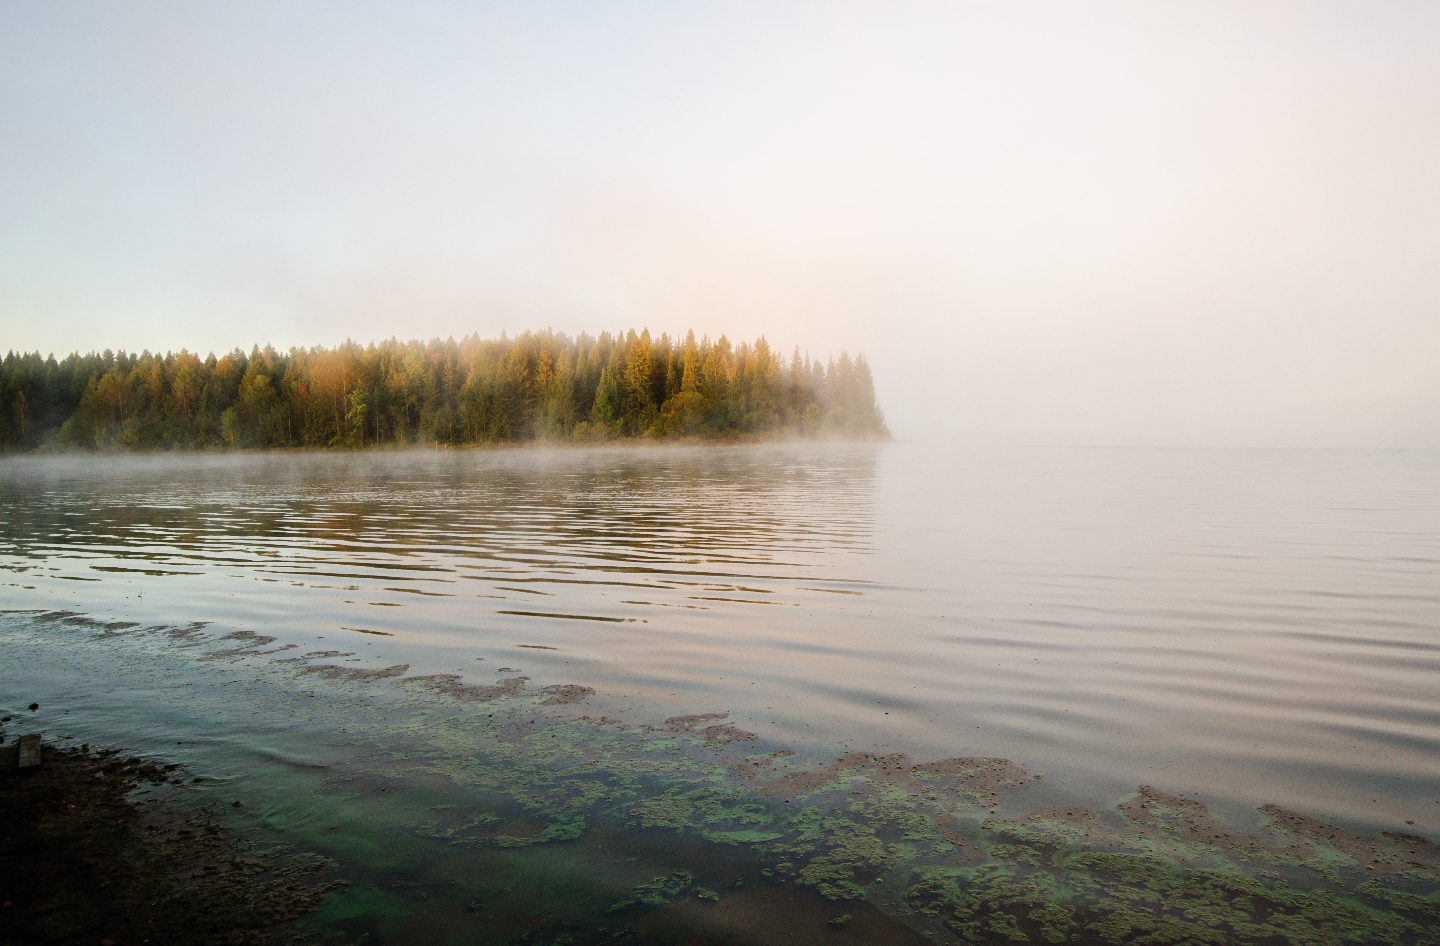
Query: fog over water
x,y
1251,627
1111,223
1134,627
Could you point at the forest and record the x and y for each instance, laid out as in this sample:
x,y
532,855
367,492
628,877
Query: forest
x,y
534,387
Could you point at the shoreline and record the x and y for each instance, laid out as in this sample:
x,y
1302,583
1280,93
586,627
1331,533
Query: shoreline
x,y
626,443
83,857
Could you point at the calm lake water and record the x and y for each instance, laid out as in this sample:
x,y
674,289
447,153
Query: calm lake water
x,y
392,658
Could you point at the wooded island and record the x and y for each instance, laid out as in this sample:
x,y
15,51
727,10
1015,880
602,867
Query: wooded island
x,y
538,386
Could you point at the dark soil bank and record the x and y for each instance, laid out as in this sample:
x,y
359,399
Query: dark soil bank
x,y
83,862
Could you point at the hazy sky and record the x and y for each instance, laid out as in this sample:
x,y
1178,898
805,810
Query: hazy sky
x,y
1074,221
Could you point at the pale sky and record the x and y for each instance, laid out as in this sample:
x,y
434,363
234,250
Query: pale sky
x,y
1073,222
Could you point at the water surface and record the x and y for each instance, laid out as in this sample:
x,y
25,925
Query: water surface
x,y
1240,628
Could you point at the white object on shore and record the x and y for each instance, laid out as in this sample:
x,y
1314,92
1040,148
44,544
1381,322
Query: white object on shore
x,y
30,751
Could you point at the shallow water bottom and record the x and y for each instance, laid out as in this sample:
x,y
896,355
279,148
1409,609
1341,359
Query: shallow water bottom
x,y
506,813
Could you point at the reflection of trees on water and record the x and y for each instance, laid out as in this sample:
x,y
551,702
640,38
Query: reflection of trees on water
x,y
428,517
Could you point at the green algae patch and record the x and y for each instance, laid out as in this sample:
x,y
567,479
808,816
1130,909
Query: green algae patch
x,y
559,830
657,892
1155,868
750,836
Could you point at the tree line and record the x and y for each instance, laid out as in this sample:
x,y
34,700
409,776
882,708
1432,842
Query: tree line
x,y
538,386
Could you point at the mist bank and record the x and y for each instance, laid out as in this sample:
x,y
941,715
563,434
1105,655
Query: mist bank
x,y
538,386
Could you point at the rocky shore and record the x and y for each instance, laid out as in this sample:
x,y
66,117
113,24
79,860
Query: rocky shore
x,y
85,858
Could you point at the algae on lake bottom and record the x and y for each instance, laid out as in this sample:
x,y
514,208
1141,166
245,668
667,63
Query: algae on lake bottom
x,y
695,815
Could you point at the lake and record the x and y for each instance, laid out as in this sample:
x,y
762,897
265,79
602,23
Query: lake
x,y
784,693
